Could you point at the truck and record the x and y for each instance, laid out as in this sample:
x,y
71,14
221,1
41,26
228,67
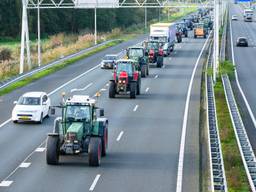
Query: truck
x,y
248,15
200,30
164,32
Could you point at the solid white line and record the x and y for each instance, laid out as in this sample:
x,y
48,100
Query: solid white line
x,y
119,136
237,80
156,77
147,89
94,182
25,165
4,123
184,124
5,183
135,108
83,89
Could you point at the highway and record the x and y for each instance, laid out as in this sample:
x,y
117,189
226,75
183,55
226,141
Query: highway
x,y
144,134
244,59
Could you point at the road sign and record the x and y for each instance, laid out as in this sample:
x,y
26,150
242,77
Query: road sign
x,y
96,3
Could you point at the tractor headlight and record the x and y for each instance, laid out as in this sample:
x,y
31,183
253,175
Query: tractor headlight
x,y
123,81
119,81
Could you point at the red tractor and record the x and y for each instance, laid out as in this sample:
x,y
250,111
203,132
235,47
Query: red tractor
x,y
155,52
126,79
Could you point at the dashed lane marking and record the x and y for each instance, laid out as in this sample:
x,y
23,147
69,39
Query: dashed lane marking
x,y
40,149
147,89
135,108
95,182
5,183
120,136
25,165
156,77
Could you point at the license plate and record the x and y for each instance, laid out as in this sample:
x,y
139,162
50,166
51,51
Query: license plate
x,y
24,118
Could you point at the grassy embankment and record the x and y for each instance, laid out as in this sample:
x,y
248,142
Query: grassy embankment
x,y
234,169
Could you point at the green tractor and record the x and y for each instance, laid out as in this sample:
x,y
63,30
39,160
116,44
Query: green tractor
x,y
81,129
137,53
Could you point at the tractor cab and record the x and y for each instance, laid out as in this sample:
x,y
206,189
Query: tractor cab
x,y
155,52
138,54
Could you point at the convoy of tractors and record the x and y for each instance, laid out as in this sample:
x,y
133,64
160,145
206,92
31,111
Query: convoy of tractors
x,y
82,127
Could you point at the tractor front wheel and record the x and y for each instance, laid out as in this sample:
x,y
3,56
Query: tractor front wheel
x,y
52,150
112,89
94,151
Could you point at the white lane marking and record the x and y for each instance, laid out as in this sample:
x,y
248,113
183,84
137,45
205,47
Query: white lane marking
x,y
184,124
94,182
25,165
5,183
82,89
4,123
156,77
147,89
40,149
103,89
237,80
135,108
119,136
107,84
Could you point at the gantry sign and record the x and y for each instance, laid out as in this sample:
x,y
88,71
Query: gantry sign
x,y
46,4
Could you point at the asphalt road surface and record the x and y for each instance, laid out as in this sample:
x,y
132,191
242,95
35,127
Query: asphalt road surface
x,y
144,133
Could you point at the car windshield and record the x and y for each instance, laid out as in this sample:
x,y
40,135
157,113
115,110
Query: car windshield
x,y
109,57
124,67
29,101
77,112
135,52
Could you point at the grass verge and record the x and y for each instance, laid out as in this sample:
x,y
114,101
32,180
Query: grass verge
x,y
234,169
55,68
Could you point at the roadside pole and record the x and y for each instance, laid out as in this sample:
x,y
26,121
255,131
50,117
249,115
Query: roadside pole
x,y
38,35
95,25
146,19
216,40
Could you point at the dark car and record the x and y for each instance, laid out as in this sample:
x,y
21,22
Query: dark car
x,y
242,42
109,61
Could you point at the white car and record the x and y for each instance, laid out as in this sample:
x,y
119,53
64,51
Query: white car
x,y
234,18
31,106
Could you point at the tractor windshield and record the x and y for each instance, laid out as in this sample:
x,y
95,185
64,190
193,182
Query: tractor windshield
x,y
135,53
77,113
127,67
153,45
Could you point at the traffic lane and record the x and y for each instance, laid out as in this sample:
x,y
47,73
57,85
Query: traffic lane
x,y
52,81
122,124
245,59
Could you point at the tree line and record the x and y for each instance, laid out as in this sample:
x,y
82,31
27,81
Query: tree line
x,y
67,20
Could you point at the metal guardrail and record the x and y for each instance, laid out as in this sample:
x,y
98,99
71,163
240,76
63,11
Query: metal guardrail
x,y
58,61
244,144
218,178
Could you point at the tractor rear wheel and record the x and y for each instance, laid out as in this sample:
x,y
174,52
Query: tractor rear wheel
x,y
94,151
112,89
147,70
52,150
138,87
159,62
133,90
143,71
